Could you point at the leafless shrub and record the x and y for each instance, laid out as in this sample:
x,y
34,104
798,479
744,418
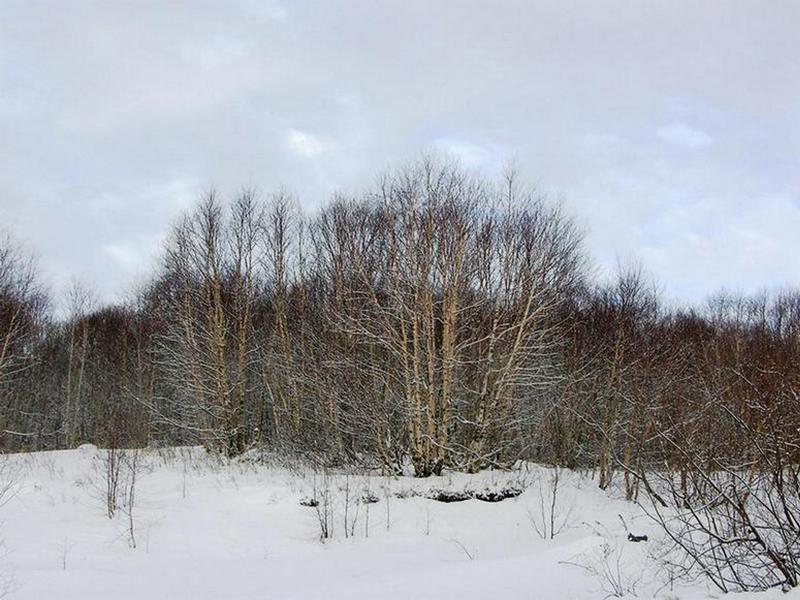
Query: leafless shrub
x,y
109,466
605,563
739,530
132,460
323,504
387,493
351,507
550,517
10,474
736,519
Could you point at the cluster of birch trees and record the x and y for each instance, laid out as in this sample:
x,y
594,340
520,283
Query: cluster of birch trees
x,y
419,323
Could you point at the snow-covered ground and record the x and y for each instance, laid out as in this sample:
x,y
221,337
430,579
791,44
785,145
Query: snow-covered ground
x,y
206,530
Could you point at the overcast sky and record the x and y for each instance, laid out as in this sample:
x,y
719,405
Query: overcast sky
x,y
671,130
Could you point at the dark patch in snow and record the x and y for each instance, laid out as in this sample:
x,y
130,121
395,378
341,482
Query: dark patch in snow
x,y
369,498
488,495
448,495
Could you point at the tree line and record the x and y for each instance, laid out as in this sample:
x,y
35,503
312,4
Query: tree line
x,y
440,320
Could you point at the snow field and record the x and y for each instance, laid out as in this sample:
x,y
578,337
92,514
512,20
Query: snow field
x,y
212,530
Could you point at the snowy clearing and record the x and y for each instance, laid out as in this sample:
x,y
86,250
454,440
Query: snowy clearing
x,y
207,530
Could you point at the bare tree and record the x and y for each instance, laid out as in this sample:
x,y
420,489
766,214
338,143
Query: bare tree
x,y
207,349
22,307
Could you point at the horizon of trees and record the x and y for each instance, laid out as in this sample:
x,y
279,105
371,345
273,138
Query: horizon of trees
x,y
440,319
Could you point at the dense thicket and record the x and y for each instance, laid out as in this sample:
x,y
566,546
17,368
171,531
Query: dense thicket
x,y
439,320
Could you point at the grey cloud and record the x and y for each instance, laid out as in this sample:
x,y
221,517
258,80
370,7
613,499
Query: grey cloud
x,y
670,129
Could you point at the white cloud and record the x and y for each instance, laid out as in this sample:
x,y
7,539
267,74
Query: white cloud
x,y
471,156
218,52
266,10
135,253
682,134
305,144
123,253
